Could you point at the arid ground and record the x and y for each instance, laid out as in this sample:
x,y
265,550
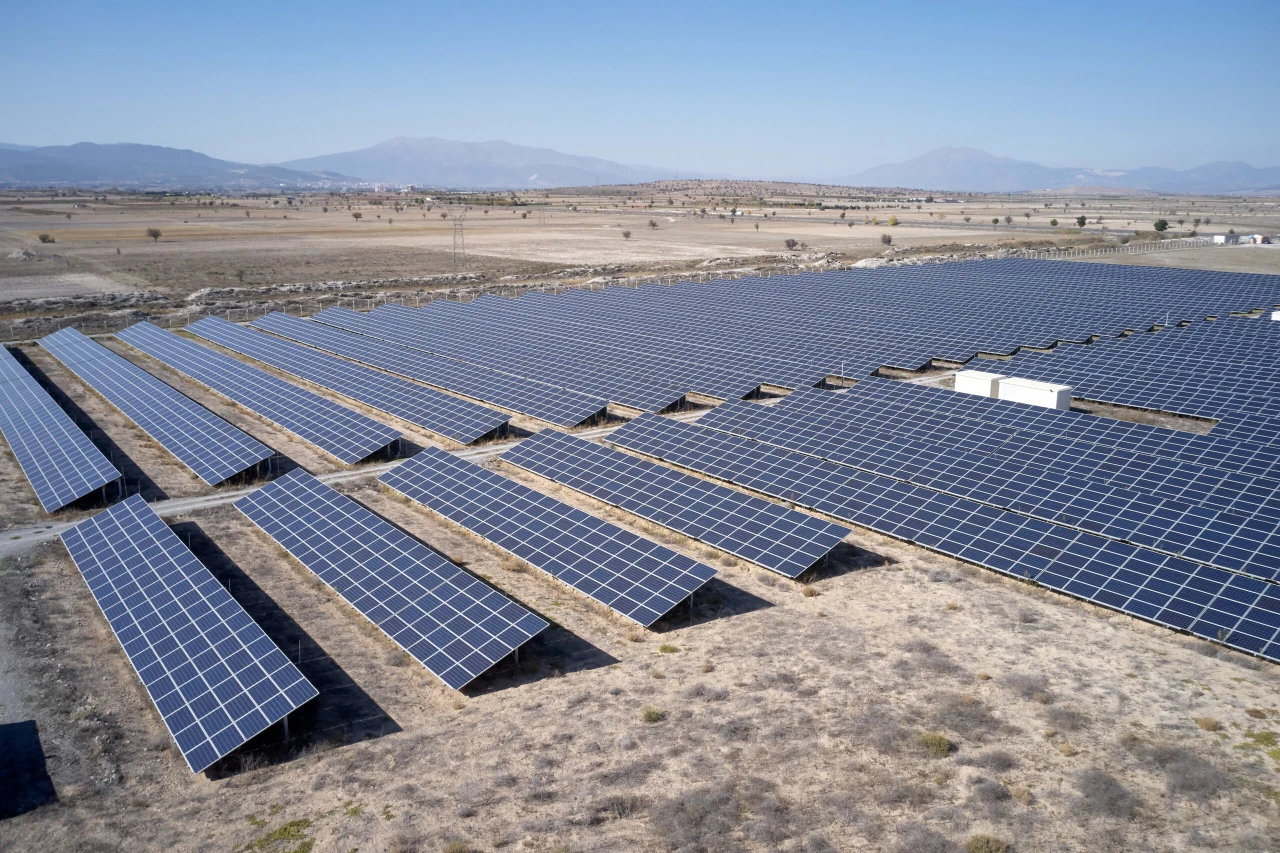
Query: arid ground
x,y
893,700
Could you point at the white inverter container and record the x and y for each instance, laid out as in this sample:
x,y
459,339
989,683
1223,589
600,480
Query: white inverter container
x,y
977,382
1275,315
1035,393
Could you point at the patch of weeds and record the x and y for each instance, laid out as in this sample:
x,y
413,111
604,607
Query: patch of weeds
x,y
651,714
1209,724
984,844
1264,739
457,846
254,820
1186,774
936,745
808,591
294,830
653,673
1067,749
668,649
387,813
1256,713
708,667
989,793
1101,795
352,809
707,694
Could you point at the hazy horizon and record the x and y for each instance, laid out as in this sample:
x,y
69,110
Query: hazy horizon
x,y
743,89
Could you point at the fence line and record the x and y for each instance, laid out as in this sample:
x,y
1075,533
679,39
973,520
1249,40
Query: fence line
x,y
306,308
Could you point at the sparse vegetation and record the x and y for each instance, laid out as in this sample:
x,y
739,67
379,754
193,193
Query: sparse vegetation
x,y
651,714
936,745
155,234
1160,225
887,239
46,238
984,844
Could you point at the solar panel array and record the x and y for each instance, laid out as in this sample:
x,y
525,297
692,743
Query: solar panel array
x,y
1227,370
916,437
447,620
647,347
59,460
204,442
1239,611
628,574
441,413
545,402
774,537
215,677
346,434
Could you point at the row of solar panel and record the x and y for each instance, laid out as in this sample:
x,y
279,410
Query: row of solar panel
x,y
1239,611
647,347
962,463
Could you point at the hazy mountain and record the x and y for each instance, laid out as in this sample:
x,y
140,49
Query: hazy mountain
x,y
9,146
445,163
971,170
146,167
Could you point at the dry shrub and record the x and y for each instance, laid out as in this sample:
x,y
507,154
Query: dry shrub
x,y
1028,686
988,792
919,839
1102,796
808,591
1067,719
995,760
964,715
708,667
1256,713
1186,774
1067,749
706,694
650,714
705,819
622,806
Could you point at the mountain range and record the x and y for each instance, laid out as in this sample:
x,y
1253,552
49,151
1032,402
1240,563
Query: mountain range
x,y
433,162
972,170
438,162
87,164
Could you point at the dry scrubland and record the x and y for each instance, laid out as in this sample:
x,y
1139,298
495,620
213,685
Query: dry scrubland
x,y
897,700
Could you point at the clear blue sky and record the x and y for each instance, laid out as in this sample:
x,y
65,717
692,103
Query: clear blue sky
x,y
755,89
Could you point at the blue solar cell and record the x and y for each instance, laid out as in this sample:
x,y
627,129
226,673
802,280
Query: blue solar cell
x,y
59,460
345,434
441,413
447,620
630,575
782,540
204,442
215,677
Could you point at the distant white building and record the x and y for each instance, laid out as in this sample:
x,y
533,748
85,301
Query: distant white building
x,y
1225,239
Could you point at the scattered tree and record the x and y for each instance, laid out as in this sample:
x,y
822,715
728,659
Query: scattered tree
x,y
886,239
653,223
995,220
1027,214
1008,220
240,276
46,238
1080,220
1053,223
893,220
967,218
154,234
626,235
791,244
357,216
1160,225
1180,221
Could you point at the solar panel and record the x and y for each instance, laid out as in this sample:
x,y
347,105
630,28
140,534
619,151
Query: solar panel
x,y
545,402
441,413
215,677
964,459
628,574
447,620
774,537
204,442
59,460
345,434
1236,610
